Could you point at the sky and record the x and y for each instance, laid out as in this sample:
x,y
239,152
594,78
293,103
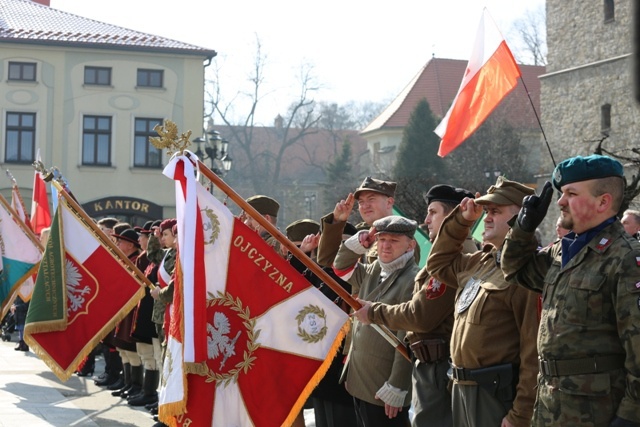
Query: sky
x,y
363,51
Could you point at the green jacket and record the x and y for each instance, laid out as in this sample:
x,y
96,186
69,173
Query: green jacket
x,y
591,307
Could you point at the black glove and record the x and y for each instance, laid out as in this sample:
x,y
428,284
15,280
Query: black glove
x,y
534,208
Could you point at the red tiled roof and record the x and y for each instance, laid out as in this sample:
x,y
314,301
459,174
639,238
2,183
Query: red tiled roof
x,y
439,81
24,21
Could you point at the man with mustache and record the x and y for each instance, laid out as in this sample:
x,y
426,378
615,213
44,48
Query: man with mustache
x,y
589,338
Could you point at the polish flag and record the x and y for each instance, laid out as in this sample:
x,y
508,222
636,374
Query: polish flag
x,y
40,213
491,74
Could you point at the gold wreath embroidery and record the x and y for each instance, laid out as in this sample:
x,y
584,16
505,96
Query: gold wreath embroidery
x,y
226,299
215,225
307,337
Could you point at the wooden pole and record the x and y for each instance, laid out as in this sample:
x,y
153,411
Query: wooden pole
x,y
106,241
308,262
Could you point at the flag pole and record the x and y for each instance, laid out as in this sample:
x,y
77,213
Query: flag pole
x,y
106,241
310,264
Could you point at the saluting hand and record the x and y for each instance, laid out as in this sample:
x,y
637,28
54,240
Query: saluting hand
x,y
471,211
362,313
367,238
343,208
310,242
534,209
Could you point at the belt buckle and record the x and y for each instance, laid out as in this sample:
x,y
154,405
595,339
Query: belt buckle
x,y
548,367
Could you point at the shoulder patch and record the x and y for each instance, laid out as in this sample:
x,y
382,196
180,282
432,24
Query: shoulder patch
x,y
435,289
603,243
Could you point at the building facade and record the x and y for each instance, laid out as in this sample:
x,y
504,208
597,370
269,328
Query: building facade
x,y
86,95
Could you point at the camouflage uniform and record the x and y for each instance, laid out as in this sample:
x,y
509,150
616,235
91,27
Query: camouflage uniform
x,y
589,337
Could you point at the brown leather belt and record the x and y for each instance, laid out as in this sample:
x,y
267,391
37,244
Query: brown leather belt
x,y
587,365
431,350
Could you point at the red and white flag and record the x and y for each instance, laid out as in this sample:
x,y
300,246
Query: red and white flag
x,y
83,289
40,213
266,334
491,74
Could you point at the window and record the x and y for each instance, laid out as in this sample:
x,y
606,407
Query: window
x,y
605,119
144,153
20,138
97,76
23,71
609,11
150,78
96,140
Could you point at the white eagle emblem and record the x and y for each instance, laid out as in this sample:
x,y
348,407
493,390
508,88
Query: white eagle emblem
x,y
75,293
218,341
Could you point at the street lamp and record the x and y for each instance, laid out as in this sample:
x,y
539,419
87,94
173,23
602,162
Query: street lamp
x,y
216,149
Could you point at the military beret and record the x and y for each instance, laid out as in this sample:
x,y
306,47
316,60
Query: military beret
x,y
388,188
446,193
264,205
395,224
505,192
581,168
128,235
168,224
298,230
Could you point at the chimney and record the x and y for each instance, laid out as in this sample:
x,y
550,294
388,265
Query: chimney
x,y
43,2
278,122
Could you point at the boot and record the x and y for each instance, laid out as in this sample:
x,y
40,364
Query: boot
x,y
22,346
88,365
113,375
136,383
149,395
126,372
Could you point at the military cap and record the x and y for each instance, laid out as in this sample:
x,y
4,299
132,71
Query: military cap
x,y
395,224
298,230
505,192
581,168
388,188
156,223
446,194
168,224
128,235
264,205
145,229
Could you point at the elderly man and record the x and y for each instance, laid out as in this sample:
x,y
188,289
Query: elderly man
x,y
631,222
429,319
493,353
589,339
378,377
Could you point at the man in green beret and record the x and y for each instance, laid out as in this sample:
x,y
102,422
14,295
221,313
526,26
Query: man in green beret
x,y
268,208
589,338
493,352
377,376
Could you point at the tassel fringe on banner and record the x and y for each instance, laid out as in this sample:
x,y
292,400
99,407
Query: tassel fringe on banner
x,y
320,373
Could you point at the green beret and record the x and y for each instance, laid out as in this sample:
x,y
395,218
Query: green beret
x,y
446,194
395,224
505,192
264,205
581,168
388,188
298,230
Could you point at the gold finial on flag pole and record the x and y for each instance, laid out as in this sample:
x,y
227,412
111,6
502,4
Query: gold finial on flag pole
x,y
169,139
